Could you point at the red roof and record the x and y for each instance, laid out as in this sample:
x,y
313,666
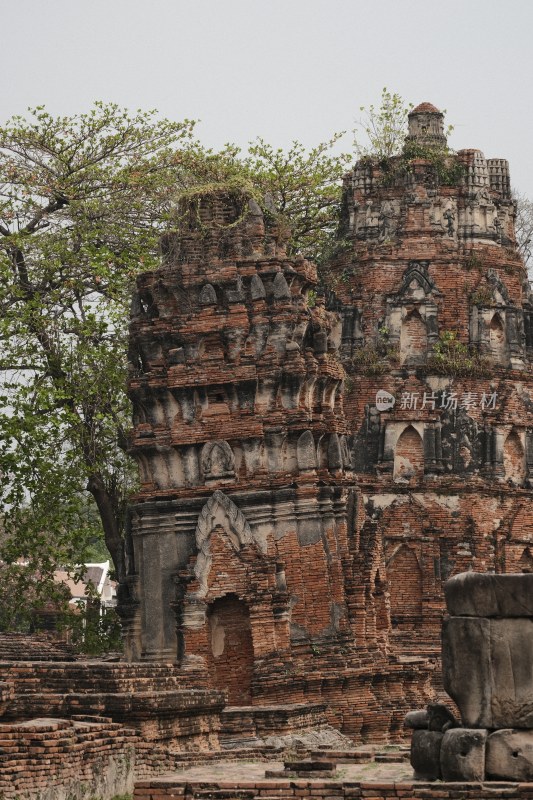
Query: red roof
x,y
426,108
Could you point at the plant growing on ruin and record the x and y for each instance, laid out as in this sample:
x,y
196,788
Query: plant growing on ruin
x,y
451,357
375,358
482,296
448,170
473,261
524,228
304,187
301,187
385,129
382,128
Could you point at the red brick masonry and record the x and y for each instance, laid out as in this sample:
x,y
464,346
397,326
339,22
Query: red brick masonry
x,y
85,756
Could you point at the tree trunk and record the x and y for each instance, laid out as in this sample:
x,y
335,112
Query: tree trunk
x,y
107,508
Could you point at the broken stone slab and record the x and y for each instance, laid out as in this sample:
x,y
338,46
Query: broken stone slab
x,y
509,755
281,773
487,667
511,652
474,594
462,755
425,754
418,720
466,668
314,768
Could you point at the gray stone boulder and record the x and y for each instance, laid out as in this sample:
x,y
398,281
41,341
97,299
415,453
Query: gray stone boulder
x,y
440,718
418,720
466,670
509,755
462,755
425,754
487,669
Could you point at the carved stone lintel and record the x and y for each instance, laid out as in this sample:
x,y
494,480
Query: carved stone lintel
x,y
219,510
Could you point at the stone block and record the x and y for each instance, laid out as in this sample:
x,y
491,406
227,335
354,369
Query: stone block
x,y
466,668
510,755
418,720
488,670
462,755
472,594
511,655
425,754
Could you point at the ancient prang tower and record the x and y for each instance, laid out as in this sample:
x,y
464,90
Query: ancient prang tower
x,y
314,464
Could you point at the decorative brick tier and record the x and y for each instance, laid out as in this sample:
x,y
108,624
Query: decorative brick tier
x,y
155,699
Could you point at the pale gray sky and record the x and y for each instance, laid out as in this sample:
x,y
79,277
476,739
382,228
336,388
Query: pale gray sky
x,y
282,69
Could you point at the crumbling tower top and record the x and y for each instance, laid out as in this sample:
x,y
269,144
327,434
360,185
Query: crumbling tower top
x,y
426,126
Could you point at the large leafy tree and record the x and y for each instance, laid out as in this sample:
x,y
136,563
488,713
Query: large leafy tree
x,y
82,200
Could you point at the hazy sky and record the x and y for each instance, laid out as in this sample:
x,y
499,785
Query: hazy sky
x,y
282,69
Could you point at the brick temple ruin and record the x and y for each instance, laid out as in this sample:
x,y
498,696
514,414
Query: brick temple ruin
x,y
317,457
315,463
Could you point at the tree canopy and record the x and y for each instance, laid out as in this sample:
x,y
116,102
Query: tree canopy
x,y
81,202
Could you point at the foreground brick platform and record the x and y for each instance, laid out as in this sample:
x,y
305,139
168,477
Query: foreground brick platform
x,y
164,788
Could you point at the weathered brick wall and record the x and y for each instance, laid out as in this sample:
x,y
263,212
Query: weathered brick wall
x,y
231,655
34,647
83,757
155,699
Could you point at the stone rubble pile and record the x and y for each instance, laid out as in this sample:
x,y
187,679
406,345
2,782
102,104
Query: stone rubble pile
x,y
487,663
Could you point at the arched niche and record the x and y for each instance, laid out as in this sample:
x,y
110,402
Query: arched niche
x,y
405,589
514,459
217,460
413,339
497,338
220,512
408,456
306,452
525,562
